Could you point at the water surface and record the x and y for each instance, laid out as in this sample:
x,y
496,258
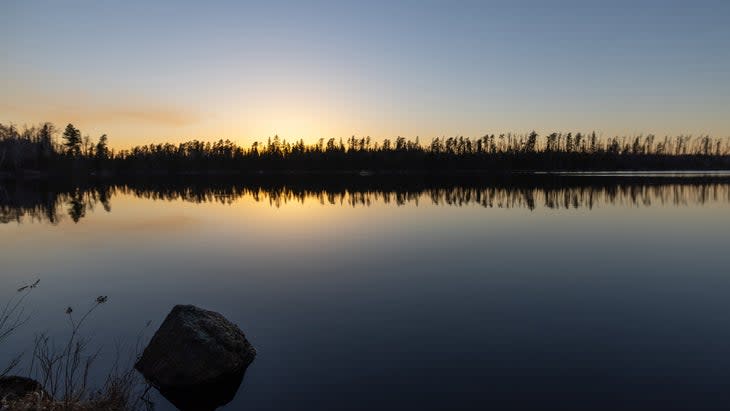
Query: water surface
x,y
536,293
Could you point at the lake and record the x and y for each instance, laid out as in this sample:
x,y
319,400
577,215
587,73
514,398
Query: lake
x,y
365,293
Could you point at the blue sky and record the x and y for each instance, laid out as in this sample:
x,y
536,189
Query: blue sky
x,y
248,70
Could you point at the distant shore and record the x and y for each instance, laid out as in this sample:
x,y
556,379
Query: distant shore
x,y
31,175
37,153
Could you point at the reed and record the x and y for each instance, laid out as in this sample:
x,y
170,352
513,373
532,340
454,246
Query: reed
x,y
64,370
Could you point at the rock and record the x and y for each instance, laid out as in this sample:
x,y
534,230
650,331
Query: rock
x,y
194,348
13,388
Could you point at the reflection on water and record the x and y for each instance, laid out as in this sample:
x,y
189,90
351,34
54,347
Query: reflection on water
x,y
579,293
21,202
205,397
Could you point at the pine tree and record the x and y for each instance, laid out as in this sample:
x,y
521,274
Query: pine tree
x,y
72,140
102,151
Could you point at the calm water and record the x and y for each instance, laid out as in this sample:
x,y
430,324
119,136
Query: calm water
x,y
571,293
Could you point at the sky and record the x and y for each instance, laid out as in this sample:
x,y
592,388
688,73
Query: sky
x,y
143,71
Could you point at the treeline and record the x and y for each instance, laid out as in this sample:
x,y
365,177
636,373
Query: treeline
x,y
47,150
36,150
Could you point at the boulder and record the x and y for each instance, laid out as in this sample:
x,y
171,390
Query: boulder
x,y
195,348
13,388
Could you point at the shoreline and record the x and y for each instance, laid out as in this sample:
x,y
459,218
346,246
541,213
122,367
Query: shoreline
x,y
35,175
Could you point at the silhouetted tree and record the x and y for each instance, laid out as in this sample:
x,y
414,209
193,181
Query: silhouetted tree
x,y
102,149
32,148
531,142
72,140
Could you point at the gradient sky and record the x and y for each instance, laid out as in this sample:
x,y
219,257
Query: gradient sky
x,y
146,71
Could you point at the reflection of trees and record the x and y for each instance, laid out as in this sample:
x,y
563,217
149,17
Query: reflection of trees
x,y
42,203
504,196
76,206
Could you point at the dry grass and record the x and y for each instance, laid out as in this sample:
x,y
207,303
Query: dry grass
x,y
119,393
12,317
64,370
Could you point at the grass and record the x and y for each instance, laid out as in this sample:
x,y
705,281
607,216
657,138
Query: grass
x,y
64,370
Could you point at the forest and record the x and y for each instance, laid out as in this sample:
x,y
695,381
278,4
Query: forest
x,y
47,151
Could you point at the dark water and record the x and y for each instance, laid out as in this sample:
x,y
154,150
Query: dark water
x,y
571,292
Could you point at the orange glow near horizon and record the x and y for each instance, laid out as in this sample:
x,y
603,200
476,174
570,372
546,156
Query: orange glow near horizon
x,y
250,70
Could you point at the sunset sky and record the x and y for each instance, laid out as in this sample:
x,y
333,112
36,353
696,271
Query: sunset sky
x,y
145,71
